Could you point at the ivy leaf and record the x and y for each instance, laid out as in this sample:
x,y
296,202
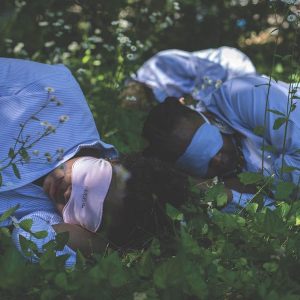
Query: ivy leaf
x,y
279,122
16,170
8,213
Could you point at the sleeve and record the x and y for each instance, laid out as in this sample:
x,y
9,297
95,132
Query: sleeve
x,y
241,200
176,73
241,103
42,221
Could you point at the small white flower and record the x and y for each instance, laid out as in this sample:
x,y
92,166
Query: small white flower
x,y
50,128
218,83
45,123
291,18
60,150
49,89
36,152
63,118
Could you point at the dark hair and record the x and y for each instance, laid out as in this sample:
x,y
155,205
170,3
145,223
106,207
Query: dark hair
x,y
169,128
152,184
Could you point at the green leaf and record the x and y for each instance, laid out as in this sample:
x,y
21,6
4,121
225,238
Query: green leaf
x,y
40,234
269,148
28,247
16,170
8,213
61,280
288,169
11,153
273,224
26,225
276,112
252,208
279,122
35,118
284,190
1,179
259,130
270,267
62,239
24,154
222,200
174,213
250,178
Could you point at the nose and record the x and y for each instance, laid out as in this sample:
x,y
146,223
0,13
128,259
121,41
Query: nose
x,y
67,194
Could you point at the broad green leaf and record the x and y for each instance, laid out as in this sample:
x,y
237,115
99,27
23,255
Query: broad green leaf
x,y
222,200
189,245
40,234
62,239
270,266
284,190
174,213
61,280
279,122
8,213
273,224
297,218
28,247
250,178
16,170
26,225
252,208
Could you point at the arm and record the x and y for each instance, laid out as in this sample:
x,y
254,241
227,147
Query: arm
x,y
81,239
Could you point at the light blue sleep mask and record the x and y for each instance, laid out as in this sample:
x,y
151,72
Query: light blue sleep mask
x,y
205,144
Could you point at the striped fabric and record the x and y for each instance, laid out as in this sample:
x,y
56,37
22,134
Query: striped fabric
x,y
42,220
177,73
41,97
29,95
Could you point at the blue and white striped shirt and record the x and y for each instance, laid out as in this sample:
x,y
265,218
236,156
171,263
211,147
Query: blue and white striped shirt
x,y
34,98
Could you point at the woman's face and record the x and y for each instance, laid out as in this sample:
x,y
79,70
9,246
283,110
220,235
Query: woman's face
x,y
58,186
224,162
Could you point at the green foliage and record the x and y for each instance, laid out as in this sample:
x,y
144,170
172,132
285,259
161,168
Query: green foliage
x,y
253,254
